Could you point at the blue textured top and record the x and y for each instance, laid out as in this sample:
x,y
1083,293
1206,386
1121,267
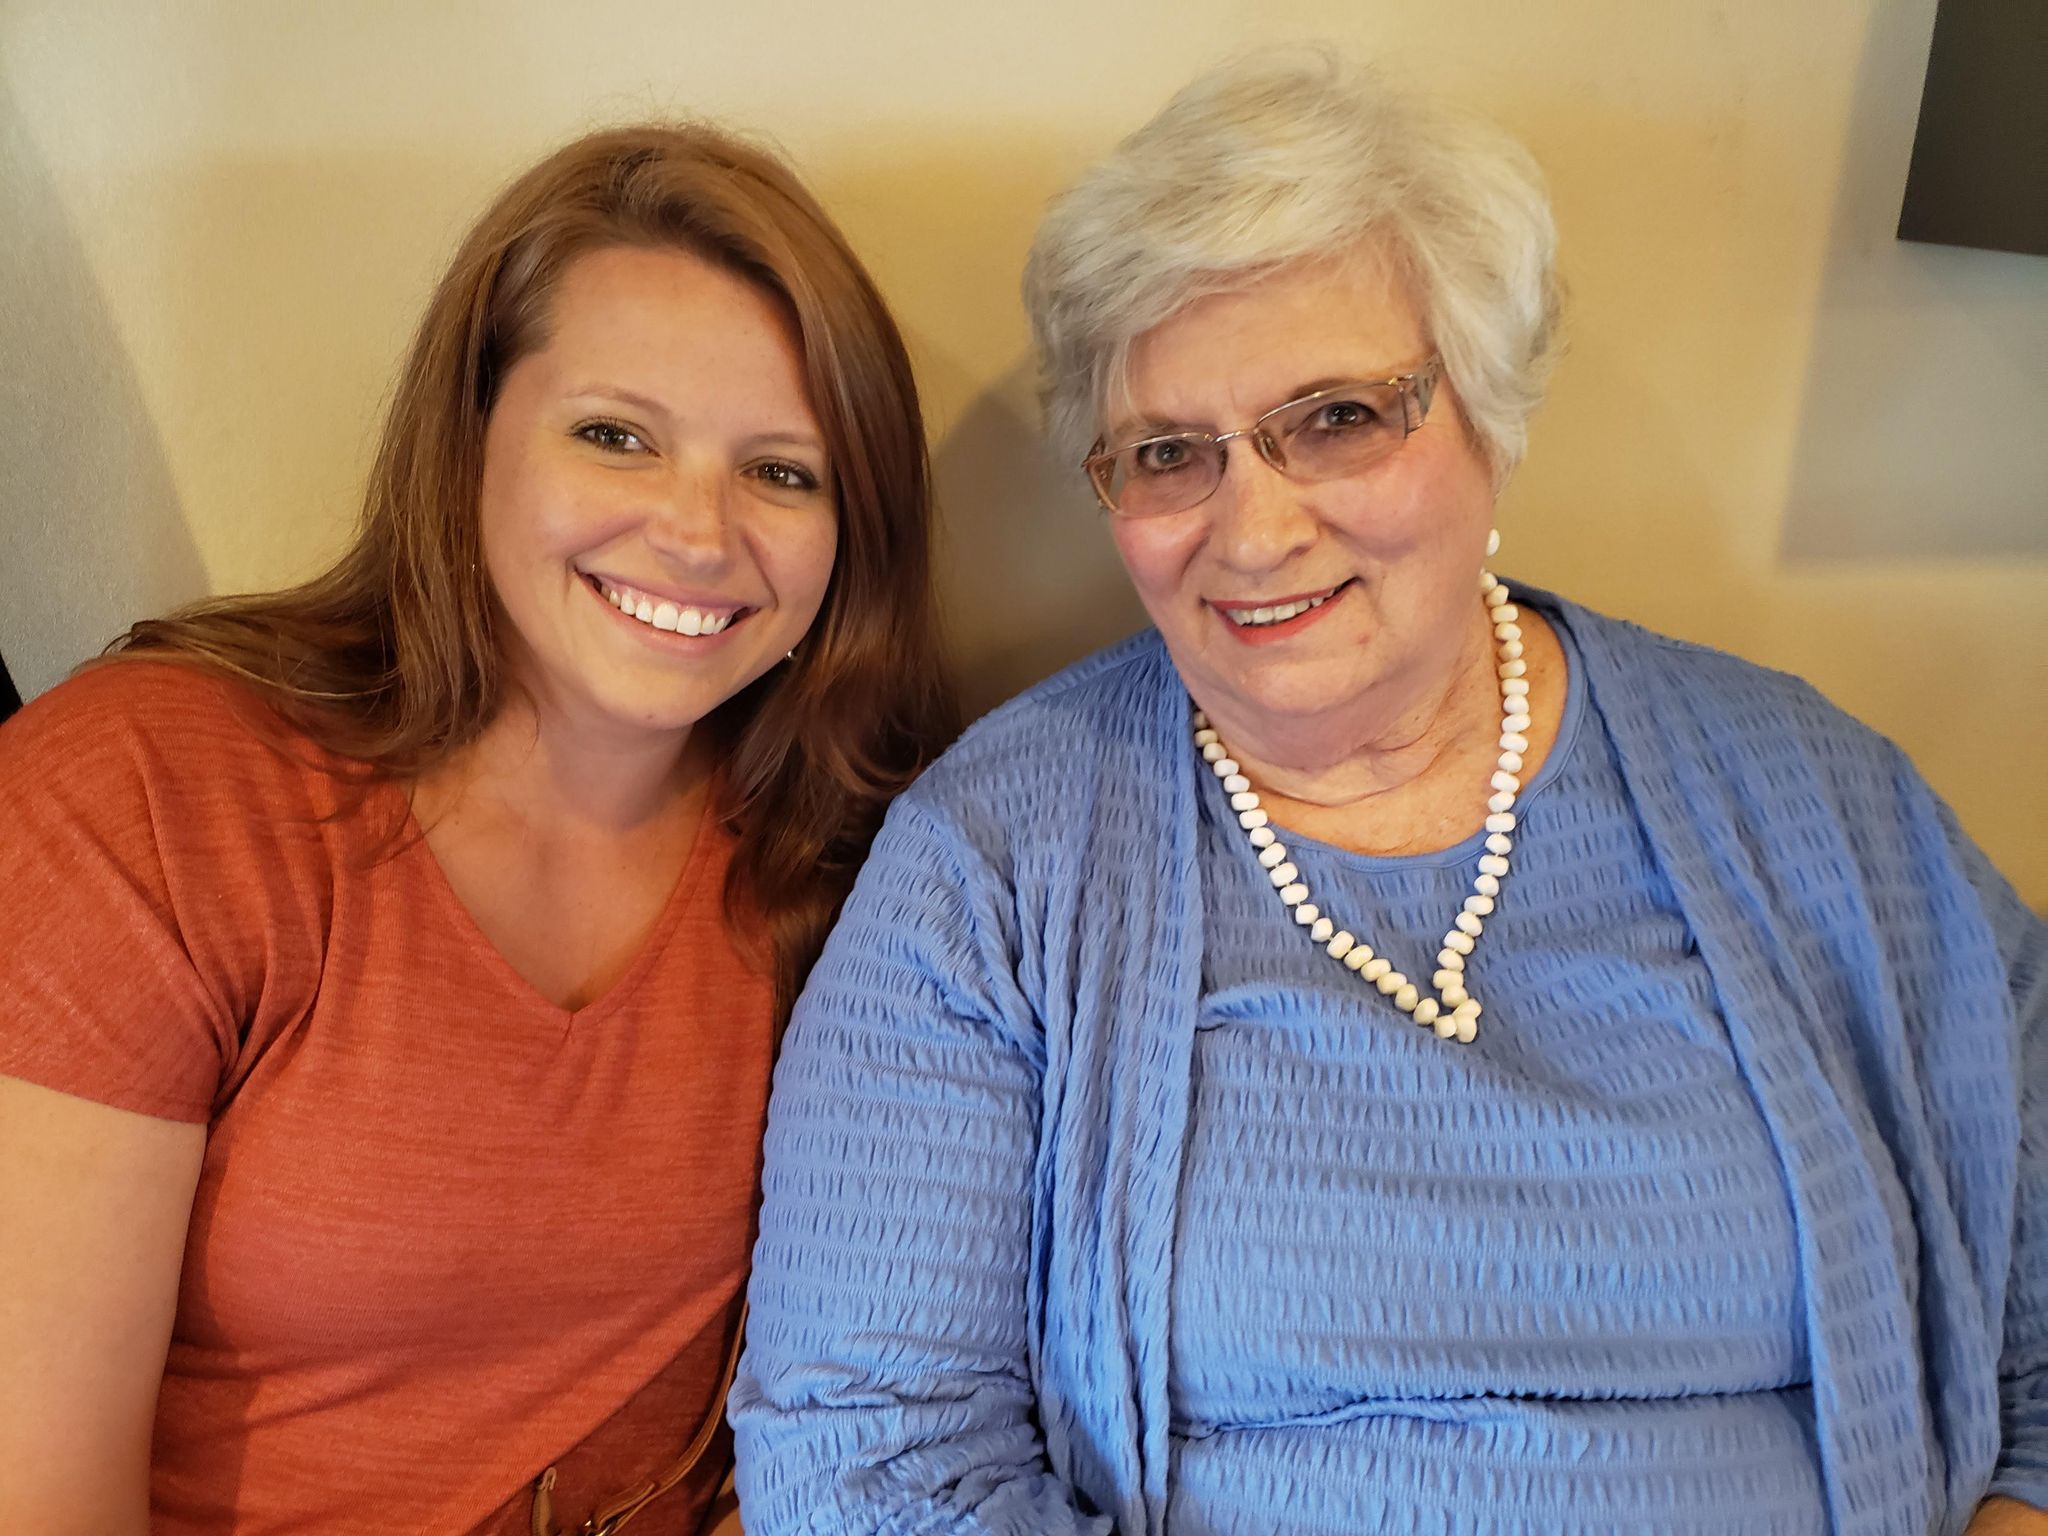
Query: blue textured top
x,y
985,1106
1465,1251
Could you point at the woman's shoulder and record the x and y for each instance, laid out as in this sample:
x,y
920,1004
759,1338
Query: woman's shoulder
x,y
1797,759
145,798
1061,731
1104,687
129,696
174,740
1034,781
1739,701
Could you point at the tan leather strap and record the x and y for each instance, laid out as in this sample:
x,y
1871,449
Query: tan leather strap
x,y
612,1515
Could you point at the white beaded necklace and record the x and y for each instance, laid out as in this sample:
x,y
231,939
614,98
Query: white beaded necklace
x,y
1449,1009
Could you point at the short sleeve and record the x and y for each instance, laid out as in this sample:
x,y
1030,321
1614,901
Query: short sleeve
x,y
101,994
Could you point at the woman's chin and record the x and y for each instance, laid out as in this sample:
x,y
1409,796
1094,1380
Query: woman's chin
x,y
1294,690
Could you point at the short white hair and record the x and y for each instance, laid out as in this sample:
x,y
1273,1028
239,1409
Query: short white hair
x,y
1293,155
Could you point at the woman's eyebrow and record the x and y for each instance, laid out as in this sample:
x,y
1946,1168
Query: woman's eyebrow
x,y
793,439
1159,426
795,436
620,393
1138,431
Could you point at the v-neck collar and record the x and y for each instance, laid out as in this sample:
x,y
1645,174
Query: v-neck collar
x,y
680,898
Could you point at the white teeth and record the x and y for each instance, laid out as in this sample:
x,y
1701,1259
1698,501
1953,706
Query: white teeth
x,y
668,616
1277,615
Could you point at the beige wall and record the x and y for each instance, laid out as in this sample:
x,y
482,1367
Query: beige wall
x,y
1778,429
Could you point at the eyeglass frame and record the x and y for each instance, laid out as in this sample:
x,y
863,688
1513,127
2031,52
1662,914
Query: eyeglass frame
x,y
1417,389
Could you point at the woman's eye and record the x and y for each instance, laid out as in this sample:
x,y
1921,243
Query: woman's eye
x,y
1162,457
611,437
785,476
1343,416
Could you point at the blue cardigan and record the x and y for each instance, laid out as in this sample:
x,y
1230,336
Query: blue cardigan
x,y
960,1287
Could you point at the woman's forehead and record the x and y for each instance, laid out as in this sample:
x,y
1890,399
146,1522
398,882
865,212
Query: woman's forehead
x,y
1227,357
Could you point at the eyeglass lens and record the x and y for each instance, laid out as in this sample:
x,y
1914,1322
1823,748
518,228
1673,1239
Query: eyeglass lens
x,y
1334,434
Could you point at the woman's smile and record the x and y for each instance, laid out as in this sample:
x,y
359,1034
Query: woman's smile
x,y
1269,621
667,619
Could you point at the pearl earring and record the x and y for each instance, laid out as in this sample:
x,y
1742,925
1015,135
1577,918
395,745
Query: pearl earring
x,y
1492,542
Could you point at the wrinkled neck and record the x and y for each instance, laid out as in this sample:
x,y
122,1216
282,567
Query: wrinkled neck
x,y
1381,741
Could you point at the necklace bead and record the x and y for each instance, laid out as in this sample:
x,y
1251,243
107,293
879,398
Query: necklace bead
x,y
1452,1012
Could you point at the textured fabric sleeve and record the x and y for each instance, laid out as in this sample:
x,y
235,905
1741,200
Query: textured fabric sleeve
x,y
2023,1366
886,1385
100,995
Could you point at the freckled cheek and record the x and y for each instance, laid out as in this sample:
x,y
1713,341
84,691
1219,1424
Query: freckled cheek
x,y
811,573
793,550
566,516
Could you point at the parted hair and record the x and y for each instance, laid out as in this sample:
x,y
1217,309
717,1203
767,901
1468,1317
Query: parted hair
x,y
1290,155
391,658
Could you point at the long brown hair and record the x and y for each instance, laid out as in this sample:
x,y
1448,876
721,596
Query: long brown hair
x,y
389,658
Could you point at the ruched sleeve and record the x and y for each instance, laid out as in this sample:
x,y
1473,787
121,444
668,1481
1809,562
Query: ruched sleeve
x,y
887,1384
2022,1471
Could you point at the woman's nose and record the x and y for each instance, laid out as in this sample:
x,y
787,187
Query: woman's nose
x,y
1259,518
690,518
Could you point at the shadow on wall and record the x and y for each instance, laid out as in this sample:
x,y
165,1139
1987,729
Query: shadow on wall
x,y
1027,576
1920,429
91,533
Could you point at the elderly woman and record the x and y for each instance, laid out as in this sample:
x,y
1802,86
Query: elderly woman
x,y
1390,1050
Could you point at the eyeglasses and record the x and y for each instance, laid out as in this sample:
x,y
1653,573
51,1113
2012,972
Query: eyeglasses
x,y
1324,436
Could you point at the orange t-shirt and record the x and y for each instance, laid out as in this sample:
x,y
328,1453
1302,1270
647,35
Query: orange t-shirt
x,y
446,1233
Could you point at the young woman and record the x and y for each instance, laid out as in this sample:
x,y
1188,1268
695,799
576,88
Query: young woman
x,y
390,967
